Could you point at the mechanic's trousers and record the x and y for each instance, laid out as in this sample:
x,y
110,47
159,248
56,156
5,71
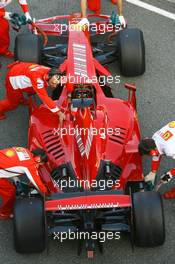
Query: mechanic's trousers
x,y
7,198
13,97
96,5
4,36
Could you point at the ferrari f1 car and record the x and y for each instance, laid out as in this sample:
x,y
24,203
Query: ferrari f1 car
x,y
94,170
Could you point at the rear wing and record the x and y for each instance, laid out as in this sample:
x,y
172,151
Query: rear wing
x,y
87,200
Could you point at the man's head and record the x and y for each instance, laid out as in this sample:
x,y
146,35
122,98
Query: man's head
x,y
146,145
40,155
54,78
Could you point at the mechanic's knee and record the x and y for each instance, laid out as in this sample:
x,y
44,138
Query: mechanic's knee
x,y
7,200
7,105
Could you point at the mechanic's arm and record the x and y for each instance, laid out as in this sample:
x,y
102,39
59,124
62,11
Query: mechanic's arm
x,y
156,159
5,14
2,14
42,93
39,86
25,8
120,13
84,8
120,7
148,147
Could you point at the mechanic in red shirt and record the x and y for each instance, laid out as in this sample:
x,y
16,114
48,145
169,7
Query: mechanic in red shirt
x,y
162,143
95,6
16,162
30,78
4,25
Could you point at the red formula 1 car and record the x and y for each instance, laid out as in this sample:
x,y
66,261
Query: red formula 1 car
x,y
94,170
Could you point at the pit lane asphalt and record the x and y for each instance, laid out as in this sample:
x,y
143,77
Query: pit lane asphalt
x,y
156,107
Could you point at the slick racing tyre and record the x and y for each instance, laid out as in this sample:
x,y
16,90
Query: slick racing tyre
x,y
29,225
148,219
28,48
131,52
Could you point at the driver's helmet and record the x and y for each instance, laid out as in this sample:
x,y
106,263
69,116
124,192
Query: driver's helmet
x,y
82,92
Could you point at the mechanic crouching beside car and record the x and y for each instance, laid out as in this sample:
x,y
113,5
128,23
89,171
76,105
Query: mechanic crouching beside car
x,y
15,162
30,78
161,144
4,25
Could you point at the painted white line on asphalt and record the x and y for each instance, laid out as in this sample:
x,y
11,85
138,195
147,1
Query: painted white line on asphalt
x,y
152,8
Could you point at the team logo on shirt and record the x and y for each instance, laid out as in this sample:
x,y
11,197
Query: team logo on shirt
x,y
167,135
22,154
172,124
40,83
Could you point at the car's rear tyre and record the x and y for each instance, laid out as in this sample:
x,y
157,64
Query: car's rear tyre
x,y
28,48
131,52
148,219
29,225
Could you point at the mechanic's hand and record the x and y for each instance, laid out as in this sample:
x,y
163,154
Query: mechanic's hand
x,y
16,180
150,177
8,15
167,177
122,21
28,17
149,186
84,23
62,117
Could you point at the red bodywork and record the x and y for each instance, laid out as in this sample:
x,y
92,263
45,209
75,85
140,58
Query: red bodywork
x,y
120,148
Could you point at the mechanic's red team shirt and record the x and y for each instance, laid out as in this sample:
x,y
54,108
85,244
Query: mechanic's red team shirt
x,y
165,140
17,161
29,77
4,3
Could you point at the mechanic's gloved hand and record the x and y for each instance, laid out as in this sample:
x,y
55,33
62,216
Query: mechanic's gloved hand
x,y
167,177
122,21
149,186
18,21
150,177
114,19
83,22
28,17
8,15
16,180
